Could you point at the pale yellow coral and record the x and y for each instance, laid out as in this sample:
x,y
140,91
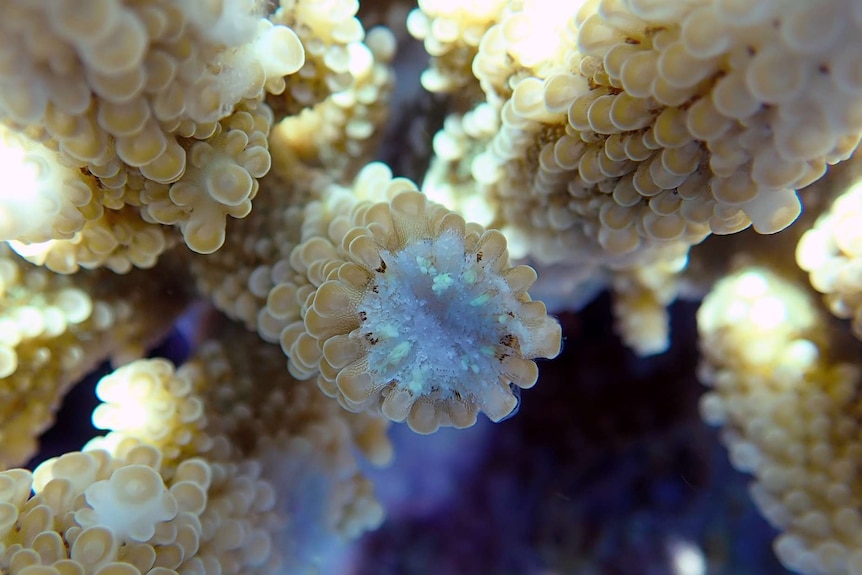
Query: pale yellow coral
x,y
135,94
644,133
118,240
608,136
789,413
640,300
449,180
329,31
339,134
42,197
234,405
238,277
54,329
451,31
831,253
220,179
253,280
629,131
296,434
92,512
150,401
290,279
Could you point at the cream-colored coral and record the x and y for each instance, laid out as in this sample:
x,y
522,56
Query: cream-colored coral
x,y
253,280
451,31
340,133
220,179
61,216
630,131
449,180
42,197
152,402
640,300
297,434
130,503
54,329
386,327
330,31
286,280
119,240
93,512
831,253
235,405
132,93
239,276
789,413
633,126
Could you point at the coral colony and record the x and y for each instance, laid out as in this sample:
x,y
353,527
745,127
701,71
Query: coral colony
x,y
158,153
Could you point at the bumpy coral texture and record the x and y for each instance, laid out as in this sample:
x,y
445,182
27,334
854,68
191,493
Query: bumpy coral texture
x,y
643,124
830,252
149,103
94,512
54,329
599,141
629,131
789,412
236,407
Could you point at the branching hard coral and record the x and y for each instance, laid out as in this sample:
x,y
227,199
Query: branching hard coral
x,y
641,297
241,278
451,32
386,325
329,32
152,402
151,93
601,139
282,279
831,251
92,512
789,411
64,218
43,198
340,133
220,179
644,125
629,131
234,404
304,442
55,329
118,240
448,180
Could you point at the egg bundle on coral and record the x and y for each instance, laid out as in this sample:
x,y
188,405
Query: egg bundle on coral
x,y
149,146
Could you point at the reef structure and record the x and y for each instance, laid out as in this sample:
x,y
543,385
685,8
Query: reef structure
x,y
159,153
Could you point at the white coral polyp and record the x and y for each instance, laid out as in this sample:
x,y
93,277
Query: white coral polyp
x,y
131,503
